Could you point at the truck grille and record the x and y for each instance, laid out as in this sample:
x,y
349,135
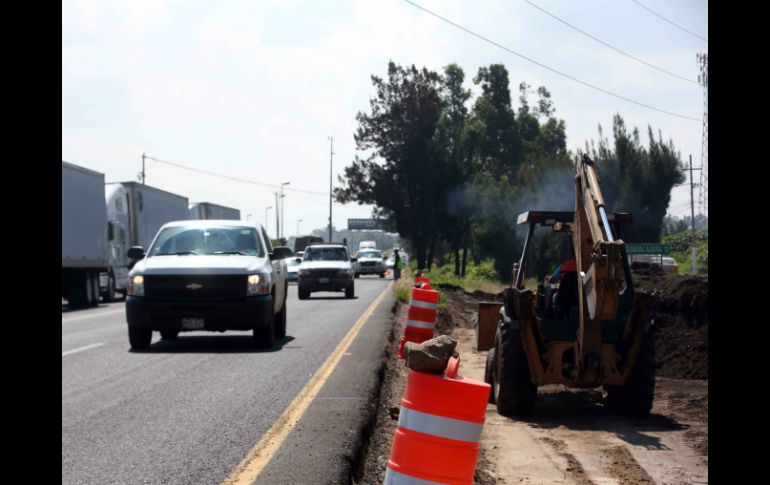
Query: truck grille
x,y
324,273
367,264
194,288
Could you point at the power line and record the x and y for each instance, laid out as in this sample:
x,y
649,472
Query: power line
x,y
233,178
610,46
550,68
672,23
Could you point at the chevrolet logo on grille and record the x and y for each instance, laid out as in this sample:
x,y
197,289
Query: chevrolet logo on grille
x,y
194,286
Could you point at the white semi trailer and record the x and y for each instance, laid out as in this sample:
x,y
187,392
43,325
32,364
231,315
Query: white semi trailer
x,y
207,210
135,212
83,235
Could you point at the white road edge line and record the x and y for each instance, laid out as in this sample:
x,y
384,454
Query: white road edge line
x,y
82,348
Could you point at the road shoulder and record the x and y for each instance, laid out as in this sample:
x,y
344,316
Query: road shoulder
x,y
323,445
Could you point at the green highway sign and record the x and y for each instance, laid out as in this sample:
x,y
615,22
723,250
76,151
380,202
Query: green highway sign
x,y
647,248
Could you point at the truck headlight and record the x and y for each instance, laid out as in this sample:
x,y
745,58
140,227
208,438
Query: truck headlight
x,y
258,284
344,273
136,285
304,272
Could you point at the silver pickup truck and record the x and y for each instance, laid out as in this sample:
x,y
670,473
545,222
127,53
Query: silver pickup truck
x,y
212,275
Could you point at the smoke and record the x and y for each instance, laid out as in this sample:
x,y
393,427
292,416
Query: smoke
x,y
554,192
458,202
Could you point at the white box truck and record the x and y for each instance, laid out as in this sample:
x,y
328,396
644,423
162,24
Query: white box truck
x,y
83,234
207,210
135,213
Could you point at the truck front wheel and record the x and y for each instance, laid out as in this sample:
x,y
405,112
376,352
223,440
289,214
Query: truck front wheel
x,y
280,321
139,338
264,336
109,295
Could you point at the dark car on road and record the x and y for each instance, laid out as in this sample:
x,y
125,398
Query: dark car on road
x,y
326,267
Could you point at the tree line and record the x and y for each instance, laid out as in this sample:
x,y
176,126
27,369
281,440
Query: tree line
x,y
451,174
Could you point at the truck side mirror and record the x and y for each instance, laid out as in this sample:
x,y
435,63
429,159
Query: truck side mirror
x,y
135,253
281,252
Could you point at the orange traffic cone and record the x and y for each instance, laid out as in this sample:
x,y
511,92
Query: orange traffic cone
x,y
421,318
439,427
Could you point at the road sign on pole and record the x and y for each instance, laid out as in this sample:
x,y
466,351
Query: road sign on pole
x,y
645,248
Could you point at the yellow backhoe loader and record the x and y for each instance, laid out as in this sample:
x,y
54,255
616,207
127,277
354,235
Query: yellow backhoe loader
x,y
590,330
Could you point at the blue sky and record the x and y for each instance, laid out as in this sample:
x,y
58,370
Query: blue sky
x,y
252,89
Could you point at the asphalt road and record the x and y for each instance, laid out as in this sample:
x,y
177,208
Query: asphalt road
x,y
189,410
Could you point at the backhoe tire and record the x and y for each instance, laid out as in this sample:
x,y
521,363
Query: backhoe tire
x,y
636,396
515,394
489,375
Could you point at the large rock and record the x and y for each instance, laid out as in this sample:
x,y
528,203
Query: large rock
x,y
431,355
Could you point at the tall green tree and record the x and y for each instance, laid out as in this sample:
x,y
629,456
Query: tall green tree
x,y
638,180
452,127
406,171
500,144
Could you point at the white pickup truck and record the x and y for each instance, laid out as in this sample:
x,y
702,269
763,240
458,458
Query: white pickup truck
x,y
212,275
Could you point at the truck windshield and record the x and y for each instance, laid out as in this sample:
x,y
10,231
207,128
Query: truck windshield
x,y
370,254
232,240
326,254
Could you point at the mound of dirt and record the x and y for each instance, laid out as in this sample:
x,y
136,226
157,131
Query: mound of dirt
x,y
680,331
681,328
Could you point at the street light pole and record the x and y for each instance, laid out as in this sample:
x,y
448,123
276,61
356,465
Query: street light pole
x,y
267,209
277,215
331,158
298,221
282,196
143,157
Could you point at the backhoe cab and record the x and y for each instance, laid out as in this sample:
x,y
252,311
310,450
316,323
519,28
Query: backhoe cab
x,y
589,330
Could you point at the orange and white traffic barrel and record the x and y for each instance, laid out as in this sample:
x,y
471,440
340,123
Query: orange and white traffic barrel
x,y
421,318
439,428
422,282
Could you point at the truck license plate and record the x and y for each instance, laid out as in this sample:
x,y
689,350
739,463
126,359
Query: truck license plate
x,y
192,323
323,280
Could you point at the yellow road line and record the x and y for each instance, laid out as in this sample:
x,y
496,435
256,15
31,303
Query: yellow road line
x,y
256,460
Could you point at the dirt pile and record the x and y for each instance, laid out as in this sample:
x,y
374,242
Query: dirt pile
x,y
681,328
680,331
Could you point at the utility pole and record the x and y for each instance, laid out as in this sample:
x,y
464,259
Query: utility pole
x,y
692,215
703,79
331,158
277,210
267,209
282,218
142,174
